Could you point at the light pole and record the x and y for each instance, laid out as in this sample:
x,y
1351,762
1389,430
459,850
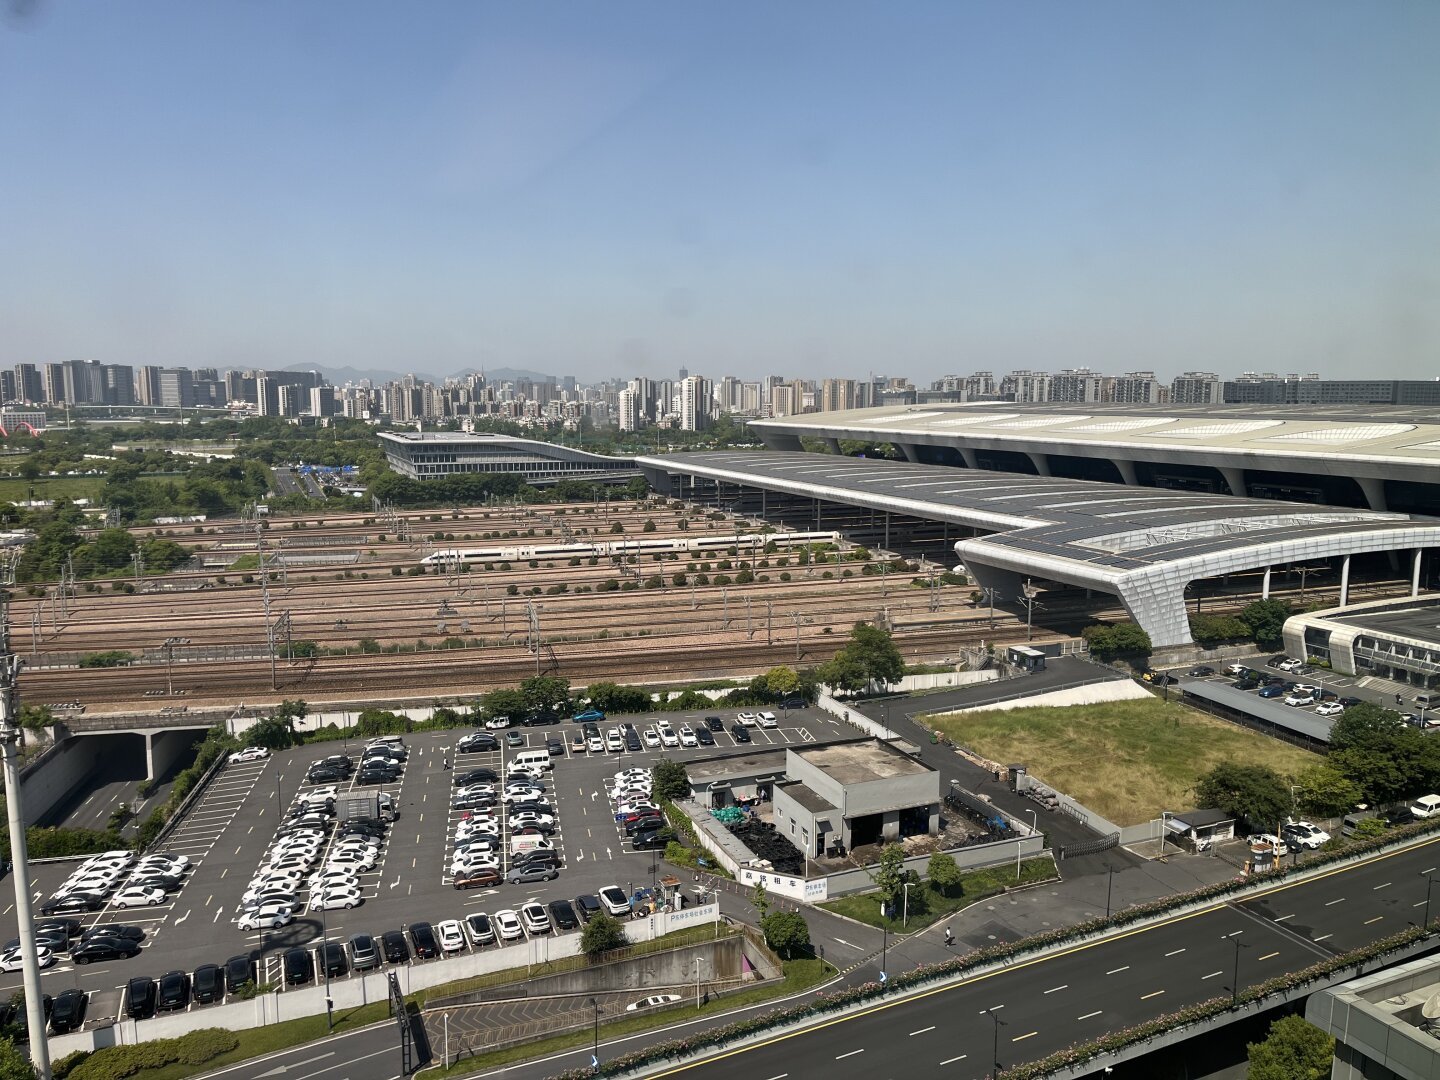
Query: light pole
x,y
1235,979
1164,829
1109,891
992,1012
325,963
1430,880
905,920
595,1056
170,643
697,982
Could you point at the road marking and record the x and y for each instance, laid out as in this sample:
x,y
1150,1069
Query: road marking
x,y
1322,937
1056,989
1270,956
1210,976
1117,971
1147,997
947,1061
1282,918
1420,903
1088,1015
842,941
922,1031
1022,1038
1177,952
852,1053
1332,903
1376,919
1377,888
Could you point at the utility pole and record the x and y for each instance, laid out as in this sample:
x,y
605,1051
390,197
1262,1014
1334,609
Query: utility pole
x,y
1030,592
9,746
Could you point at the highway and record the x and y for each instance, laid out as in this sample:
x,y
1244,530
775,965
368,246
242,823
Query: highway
x,y
1043,1005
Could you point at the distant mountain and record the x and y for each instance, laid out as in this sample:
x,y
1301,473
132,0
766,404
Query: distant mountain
x,y
341,375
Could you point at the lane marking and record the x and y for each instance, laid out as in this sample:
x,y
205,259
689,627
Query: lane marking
x,y
1332,903
1056,989
1376,919
852,1053
1147,997
1176,952
947,1061
1322,937
1270,955
1377,888
1211,975
1022,1038
1117,971
1282,918
1089,1015
922,1031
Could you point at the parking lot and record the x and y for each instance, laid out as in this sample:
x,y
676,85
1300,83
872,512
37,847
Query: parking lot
x,y
229,831
1304,688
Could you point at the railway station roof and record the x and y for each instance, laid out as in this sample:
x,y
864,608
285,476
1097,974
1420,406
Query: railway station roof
x,y
1142,544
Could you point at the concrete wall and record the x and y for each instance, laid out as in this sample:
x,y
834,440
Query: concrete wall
x,y
67,767
998,853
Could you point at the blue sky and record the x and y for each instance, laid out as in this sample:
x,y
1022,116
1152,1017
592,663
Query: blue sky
x,y
805,189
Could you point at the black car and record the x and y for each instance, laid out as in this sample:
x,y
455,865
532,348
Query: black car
x,y
648,823
588,906
423,935
114,930
68,1011
1246,684
632,741
323,774
555,747
714,723
739,734
365,952
362,828
376,776
166,882
794,703
478,742
54,940
703,736
1326,695
71,927
476,776
70,902
207,984
396,948
104,948
646,839
238,971
539,857
1161,678
1202,672
140,998
174,991
332,959
1349,701
563,915
299,968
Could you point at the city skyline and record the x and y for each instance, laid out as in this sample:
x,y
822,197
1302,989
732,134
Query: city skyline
x,y
816,191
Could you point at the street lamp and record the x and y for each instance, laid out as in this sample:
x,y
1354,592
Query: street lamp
x,y
1109,890
595,1055
905,919
697,982
1235,979
170,643
992,1012
1430,880
325,963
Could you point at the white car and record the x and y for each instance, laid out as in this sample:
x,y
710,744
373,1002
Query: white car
x,y
535,919
298,847
338,877
360,860
749,719
339,897
687,736
531,817
478,827
614,741
250,753
652,738
165,859
11,960
1425,807
652,1002
1299,701
1329,708
518,795
595,744
668,738
1305,834
138,896
112,858
769,719
1266,842
465,865
284,883
452,937
1290,664
630,776
267,916
507,924
495,723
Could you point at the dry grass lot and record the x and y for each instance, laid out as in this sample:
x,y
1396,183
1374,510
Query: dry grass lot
x,y
1126,760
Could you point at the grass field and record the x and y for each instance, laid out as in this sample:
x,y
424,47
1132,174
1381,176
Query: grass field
x,y
1126,760
17,489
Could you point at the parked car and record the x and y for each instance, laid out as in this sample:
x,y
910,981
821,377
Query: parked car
x,y
749,719
250,753
104,948
267,916
332,959
140,998
452,937
477,742
11,960
739,734
1299,701
687,736
522,875
120,930
563,915
395,947
482,877
1305,834
770,720
587,906
507,925
174,991
588,714
476,776
1202,672
703,736
535,918
364,953
71,902
207,984
422,935
68,1011
1271,692
239,970
1329,708
645,823
480,928
614,900
299,968
1426,806
652,1002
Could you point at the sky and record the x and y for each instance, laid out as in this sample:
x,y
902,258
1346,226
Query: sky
x,y
807,189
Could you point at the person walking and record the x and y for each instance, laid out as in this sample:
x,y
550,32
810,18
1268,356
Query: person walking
x,y
949,937
1399,700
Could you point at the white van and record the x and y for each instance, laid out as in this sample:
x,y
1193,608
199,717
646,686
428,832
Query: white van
x,y
531,759
519,844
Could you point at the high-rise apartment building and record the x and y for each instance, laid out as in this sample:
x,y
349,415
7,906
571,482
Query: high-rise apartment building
x,y
837,395
29,384
694,403
1026,386
1078,385
322,401
1197,388
1137,388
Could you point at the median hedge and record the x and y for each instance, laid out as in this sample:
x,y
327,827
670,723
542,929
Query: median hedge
x,y
118,1062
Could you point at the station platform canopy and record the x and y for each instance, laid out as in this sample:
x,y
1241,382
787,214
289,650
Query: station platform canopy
x,y
1143,545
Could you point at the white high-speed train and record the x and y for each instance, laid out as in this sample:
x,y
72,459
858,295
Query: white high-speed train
x,y
602,548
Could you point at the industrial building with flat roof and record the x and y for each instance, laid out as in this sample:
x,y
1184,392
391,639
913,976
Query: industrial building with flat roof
x,y
1382,457
1398,640
1141,545
423,455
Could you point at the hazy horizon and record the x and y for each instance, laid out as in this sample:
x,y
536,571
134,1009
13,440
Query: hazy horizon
x,y
807,190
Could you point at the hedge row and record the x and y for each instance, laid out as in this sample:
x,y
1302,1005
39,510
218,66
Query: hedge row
x,y
118,1062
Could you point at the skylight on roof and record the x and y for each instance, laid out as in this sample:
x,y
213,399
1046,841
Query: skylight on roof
x,y
1038,421
1339,433
1181,532
1215,431
1128,424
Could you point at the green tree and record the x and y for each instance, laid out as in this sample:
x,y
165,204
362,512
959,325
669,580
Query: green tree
x,y
1217,629
943,872
272,732
669,780
1111,642
868,658
111,549
782,681
546,694
1294,1050
1373,748
1256,795
889,874
505,702
787,933
760,899
602,933
1265,619
610,697
1326,791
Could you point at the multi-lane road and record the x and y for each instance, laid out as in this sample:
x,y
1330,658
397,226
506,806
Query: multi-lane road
x,y
1035,1008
